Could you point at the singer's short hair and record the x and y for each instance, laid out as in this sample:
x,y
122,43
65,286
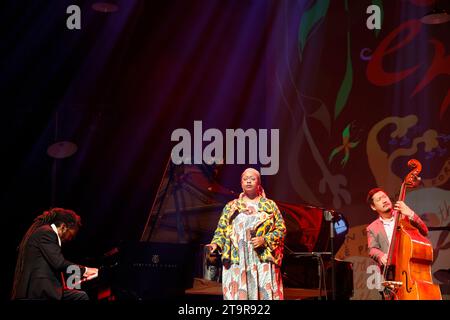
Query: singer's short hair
x,y
370,194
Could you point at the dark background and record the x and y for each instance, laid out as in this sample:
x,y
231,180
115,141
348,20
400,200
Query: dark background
x,y
123,83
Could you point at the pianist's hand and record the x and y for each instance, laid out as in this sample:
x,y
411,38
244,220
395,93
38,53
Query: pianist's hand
x,y
90,273
258,242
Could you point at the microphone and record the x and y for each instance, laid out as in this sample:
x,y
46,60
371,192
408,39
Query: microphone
x,y
328,214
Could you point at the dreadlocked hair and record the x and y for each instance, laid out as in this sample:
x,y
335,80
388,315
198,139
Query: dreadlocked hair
x,y
55,216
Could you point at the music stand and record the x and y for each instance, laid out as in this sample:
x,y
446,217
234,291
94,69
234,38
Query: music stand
x,y
321,271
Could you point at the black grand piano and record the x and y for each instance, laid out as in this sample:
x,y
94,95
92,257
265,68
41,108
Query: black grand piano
x,y
169,261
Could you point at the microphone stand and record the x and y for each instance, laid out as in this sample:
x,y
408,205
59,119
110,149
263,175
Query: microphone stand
x,y
329,217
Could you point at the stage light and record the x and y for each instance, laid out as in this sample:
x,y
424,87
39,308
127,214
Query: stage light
x,y
436,16
105,7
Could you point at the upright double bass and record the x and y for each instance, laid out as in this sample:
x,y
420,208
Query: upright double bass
x,y
410,256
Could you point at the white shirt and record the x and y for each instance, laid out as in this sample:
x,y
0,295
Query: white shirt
x,y
388,227
59,241
56,231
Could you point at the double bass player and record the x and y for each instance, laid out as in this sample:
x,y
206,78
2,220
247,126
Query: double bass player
x,y
379,232
397,241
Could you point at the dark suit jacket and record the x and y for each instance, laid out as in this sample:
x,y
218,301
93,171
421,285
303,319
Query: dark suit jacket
x,y
377,240
43,263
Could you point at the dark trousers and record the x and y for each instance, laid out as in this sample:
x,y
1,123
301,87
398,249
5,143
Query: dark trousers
x,y
73,295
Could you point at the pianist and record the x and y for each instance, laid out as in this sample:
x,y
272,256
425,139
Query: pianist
x,y
40,263
250,234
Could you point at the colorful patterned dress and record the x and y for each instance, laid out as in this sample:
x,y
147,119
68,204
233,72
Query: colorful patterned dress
x,y
251,274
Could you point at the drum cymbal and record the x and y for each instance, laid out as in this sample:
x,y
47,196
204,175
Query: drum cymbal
x,y
443,275
62,149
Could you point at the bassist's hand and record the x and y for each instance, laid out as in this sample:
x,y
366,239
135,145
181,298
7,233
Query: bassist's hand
x,y
383,259
404,209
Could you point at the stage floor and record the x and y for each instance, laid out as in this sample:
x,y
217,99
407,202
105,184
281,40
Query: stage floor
x,y
213,288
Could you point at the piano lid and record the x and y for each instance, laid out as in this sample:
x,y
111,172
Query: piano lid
x,y
187,205
190,199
